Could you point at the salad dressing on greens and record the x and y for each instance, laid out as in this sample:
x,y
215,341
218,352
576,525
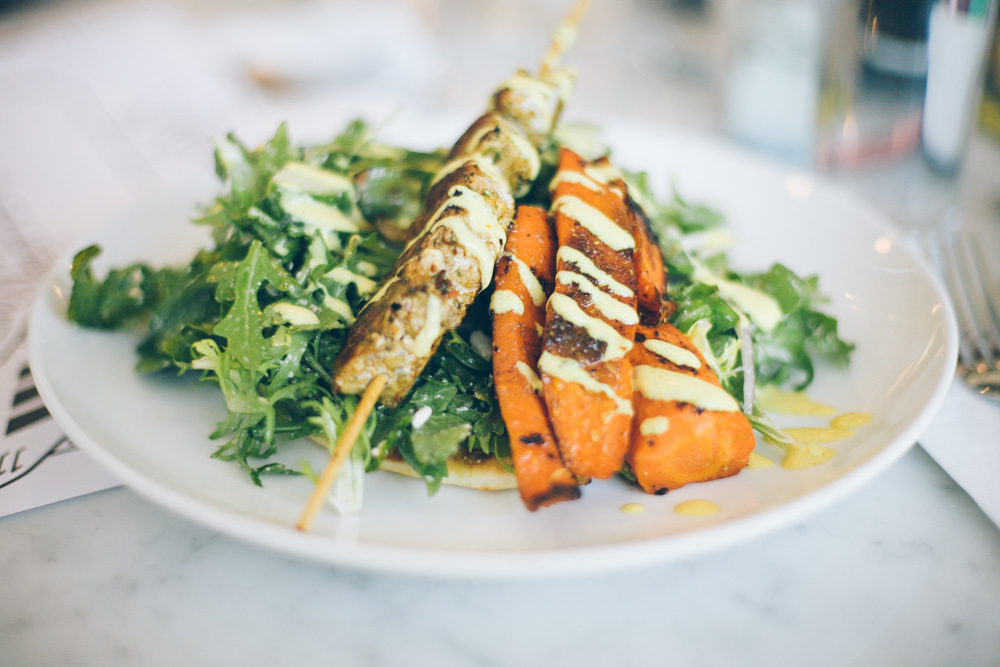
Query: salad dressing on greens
x,y
760,307
263,312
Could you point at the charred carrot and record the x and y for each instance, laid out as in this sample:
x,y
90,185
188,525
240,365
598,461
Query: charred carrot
x,y
590,321
524,277
686,427
651,275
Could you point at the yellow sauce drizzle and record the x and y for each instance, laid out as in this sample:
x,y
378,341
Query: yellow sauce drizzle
x,y
344,276
654,426
311,212
696,507
479,232
816,435
485,166
633,508
610,307
530,376
314,180
431,330
851,420
295,315
773,399
758,461
762,308
587,266
616,345
505,301
517,139
672,353
659,384
568,370
568,176
340,307
605,229
604,173
799,457
530,281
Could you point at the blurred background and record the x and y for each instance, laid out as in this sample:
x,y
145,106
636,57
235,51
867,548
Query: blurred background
x,y
105,101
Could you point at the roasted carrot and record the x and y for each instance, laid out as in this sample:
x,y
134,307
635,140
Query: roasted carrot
x,y
523,279
650,273
686,427
590,321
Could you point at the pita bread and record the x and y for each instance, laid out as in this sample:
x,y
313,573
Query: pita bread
x,y
471,470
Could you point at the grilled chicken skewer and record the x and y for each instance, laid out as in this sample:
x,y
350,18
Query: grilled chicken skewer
x,y
457,239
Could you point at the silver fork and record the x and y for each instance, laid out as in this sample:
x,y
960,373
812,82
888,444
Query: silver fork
x,y
977,305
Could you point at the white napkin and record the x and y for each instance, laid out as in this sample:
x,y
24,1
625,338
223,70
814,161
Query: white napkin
x,y
964,439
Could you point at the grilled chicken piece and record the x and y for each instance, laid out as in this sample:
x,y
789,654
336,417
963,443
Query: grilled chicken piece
x,y
457,241
506,145
532,102
434,282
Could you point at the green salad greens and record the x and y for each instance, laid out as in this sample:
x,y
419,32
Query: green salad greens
x,y
301,237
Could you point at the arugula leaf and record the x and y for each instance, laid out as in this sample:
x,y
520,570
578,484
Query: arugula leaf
x,y
243,325
249,172
784,355
125,299
263,312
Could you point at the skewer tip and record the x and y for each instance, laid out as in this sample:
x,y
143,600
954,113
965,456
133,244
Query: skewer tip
x,y
564,37
345,443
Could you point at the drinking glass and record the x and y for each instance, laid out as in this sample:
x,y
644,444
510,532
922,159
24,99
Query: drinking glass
x,y
899,91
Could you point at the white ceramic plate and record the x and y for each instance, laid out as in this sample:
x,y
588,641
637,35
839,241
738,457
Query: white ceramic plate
x,y
153,431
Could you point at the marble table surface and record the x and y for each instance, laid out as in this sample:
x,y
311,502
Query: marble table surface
x,y
904,571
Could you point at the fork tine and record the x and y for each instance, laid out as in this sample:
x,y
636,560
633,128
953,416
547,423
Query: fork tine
x,y
961,264
984,309
991,299
942,251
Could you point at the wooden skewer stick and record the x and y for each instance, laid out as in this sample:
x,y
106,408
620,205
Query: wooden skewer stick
x,y
345,443
564,36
